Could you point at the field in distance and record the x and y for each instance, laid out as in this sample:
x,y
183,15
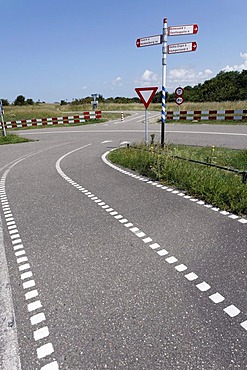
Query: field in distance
x,y
45,110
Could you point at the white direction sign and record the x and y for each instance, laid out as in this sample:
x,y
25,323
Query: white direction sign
x,y
189,29
149,41
182,47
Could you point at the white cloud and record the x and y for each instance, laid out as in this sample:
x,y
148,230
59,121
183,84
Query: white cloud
x,y
147,78
237,67
117,81
186,76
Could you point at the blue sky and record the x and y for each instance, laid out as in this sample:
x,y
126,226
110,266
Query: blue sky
x,y
57,49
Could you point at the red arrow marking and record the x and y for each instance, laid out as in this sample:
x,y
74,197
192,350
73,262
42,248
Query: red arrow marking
x,y
195,28
194,46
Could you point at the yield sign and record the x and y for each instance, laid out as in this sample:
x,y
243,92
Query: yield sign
x,y
146,94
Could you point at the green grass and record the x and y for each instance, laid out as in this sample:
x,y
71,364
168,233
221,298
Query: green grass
x,y
220,188
12,139
15,113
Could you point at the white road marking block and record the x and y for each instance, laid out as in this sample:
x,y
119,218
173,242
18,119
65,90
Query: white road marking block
x,y
147,240
22,259
26,266
38,318
162,252
29,284
203,287
191,276
154,246
124,220
171,259
20,253
26,275
41,333
217,298
232,310
181,268
31,294
34,306
244,324
140,234
128,224
243,221
45,350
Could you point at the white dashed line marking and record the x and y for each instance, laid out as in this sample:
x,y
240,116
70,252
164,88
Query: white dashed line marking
x,y
232,310
154,246
26,275
217,298
41,333
181,268
244,324
147,240
34,306
31,294
171,259
29,284
37,319
45,350
191,276
203,287
162,252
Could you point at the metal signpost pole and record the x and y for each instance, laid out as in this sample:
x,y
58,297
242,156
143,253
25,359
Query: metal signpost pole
x,y
2,118
146,126
163,112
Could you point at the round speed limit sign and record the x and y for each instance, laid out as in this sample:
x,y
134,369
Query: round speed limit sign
x,y
179,100
179,91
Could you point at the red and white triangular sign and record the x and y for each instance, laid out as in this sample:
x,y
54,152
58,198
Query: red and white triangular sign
x,y
146,94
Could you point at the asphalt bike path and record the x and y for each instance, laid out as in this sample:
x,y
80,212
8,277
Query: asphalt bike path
x,y
128,275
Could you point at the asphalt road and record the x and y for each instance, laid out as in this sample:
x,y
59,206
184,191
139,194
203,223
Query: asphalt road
x,y
110,271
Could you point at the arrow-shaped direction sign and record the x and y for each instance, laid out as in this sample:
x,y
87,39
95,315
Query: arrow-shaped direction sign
x,y
189,29
149,41
146,94
182,47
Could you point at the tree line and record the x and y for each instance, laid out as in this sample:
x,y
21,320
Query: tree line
x,y
225,86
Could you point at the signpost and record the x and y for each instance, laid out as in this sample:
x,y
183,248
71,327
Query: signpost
x,y
146,95
182,47
2,118
149,41
179,97
94,102
189,29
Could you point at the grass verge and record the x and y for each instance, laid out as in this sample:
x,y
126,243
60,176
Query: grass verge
x,y
217,187
12,139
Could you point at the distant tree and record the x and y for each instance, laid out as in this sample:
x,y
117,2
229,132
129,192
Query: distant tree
x,y
5,102
63,102
224,86
30,102
20,100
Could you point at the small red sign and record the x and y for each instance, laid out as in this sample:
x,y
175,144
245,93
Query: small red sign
x,y
146,94
179,91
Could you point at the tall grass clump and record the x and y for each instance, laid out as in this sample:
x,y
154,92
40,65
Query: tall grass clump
x,y
218,187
